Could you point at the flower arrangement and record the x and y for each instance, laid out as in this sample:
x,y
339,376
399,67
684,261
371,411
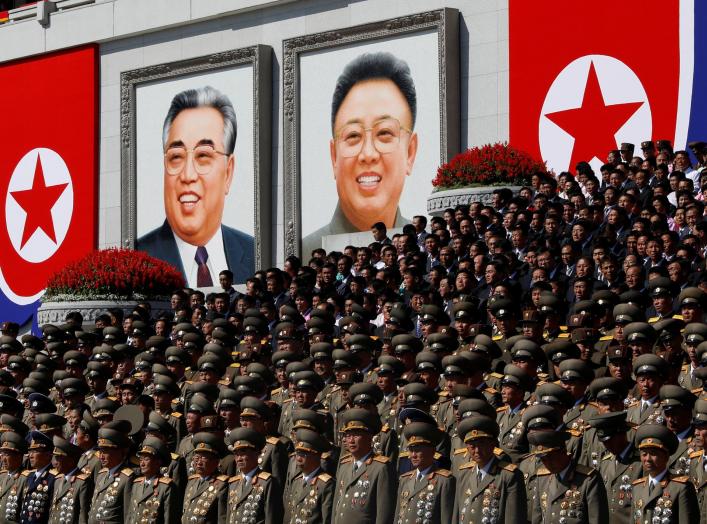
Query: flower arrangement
x,y
489,165
114,274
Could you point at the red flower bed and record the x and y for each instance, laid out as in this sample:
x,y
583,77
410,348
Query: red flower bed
x,y
116,272
497,164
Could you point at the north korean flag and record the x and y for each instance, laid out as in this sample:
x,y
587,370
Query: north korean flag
x,y
586,76
47,172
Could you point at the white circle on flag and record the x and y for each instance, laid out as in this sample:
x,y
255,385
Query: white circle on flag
x,y
39,246
619,85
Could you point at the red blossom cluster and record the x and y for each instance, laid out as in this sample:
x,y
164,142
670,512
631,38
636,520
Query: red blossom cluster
x,y
121,272
492,164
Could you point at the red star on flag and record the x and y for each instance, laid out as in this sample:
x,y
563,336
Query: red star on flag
x,y
593,124
38,203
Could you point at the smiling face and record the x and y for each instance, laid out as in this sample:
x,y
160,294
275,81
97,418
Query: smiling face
x,y
194,203
369,184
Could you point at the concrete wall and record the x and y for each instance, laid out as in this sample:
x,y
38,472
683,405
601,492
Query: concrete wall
x,y
139,33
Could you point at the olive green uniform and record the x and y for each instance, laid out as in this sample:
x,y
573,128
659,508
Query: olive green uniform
x,y
257,501
153,502
111,498
71,499
430,497
312,502
205,500
618,473
12,490
674,494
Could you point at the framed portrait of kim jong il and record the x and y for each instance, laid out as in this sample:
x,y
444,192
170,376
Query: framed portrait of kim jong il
x,y
196,157
370,113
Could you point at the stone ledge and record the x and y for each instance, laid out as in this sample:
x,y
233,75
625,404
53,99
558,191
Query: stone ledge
x,y
438,201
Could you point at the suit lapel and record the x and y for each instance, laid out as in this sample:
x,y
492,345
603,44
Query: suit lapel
x,y
355,476
245,490
61,486
481,486
146,491
234,254
200,489
171,251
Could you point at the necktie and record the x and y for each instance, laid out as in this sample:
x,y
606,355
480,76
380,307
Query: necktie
x,y
654,486
355,467
479,476
203,275
644,406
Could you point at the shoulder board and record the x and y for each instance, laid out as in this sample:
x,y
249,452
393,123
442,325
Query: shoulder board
x,y
235,365
678,317
501,409
176,414
224,382
3,471
165,480
127,472
381,459
634,403
139,479
83,476
685,367
174,456
27,472
347,460
325,455
324,477
54,472
194,476
606,337
287,400
509,467
495,375
498,452
497,337
102,470
594,404
563,335
437,455
490,390
408,474
543,471
264,475
574,432
682,480
639,481
696,391
222,478
272,440
234,479
467,465
443,472
385,428
653,320
403,454
114,399
584,470
276,391
444,393
563,328
459,451
696,454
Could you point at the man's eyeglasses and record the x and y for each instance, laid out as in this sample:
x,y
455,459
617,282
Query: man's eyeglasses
x,y
385,135
203,159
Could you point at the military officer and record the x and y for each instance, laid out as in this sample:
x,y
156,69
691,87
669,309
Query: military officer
x,y
254,495
111,497
514,385
367,396
695,333
650,371
310,496
575,377
427,492
677,405
72,488
619,464
13,480
698,468
40,482
153,498
366,482
659,494
564,490
206,491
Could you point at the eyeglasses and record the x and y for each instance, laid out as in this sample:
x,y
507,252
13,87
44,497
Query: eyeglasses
x,y
203,159
385,135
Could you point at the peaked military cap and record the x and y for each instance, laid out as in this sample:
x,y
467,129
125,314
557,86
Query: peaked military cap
x,y
205,442
475,428
541,416
365,393
608,424
422,434
13,442
310,442
360,419
656,436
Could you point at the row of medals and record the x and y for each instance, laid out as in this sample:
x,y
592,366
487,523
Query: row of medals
x,y
108,501
203,504
38,498
489,505
251,506
66,508
425,506
359,497
306,511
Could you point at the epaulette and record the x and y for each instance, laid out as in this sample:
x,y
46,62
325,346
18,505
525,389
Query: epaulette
x,y
584,470
222,478
82,476
408,474
606,337
54,472
563,335
374,337
177,414
347,460
325,455
324,477
174,456
234,479
272,440
639,481
490,390
165,480
543,471
497,337
385,428
437,455
194,476
467,465
653,320
696,454
685,367
574,432
224,382
287,400
264,475
501,409
682,480
28,472
235,365
678,317
403,454
498,452
114,399
495,375
127,472
696,391
275,391
102,470
444,393
444,472
634,403
382,459
594,404
509,467
139,479
459,451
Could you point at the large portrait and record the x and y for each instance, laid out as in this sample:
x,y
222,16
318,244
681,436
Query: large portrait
x,y
371,112
196,163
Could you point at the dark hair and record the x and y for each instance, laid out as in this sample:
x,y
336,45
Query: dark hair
x,y
373,66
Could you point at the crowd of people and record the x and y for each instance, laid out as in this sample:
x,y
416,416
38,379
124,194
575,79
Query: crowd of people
x,y
537,359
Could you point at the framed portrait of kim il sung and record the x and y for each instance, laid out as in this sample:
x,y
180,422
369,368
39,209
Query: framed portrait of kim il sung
x,y
370,112
196,155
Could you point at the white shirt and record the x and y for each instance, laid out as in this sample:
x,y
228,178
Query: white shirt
x,y
656,480
249,476
360,463
216,261
308,478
